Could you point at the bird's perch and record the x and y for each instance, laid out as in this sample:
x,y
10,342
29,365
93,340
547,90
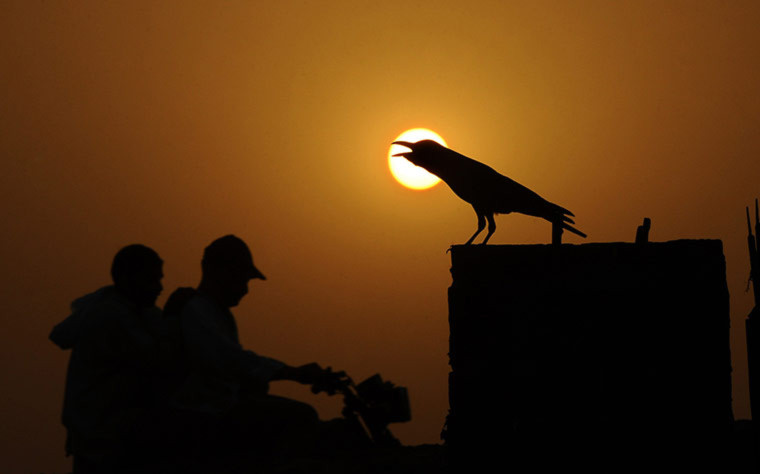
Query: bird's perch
x,y
589,356
556,233
642,232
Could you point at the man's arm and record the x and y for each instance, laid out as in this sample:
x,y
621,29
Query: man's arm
x,y
211,349
305,374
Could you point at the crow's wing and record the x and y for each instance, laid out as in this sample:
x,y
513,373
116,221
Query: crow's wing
x,y
506,195
520,199
469,179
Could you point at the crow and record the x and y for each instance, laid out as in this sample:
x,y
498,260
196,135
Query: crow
x,y
488,191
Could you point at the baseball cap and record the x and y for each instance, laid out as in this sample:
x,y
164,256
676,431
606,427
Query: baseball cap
x,y
231,252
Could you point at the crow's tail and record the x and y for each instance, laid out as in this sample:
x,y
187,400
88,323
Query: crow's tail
x,y
573,230
566,221
555,214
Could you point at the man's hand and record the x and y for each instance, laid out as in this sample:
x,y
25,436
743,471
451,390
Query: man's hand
x,y
308,374
331,382
321,380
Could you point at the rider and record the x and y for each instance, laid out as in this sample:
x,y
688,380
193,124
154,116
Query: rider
x,y
221,380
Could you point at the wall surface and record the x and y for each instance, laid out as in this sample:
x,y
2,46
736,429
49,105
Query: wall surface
x,y
603,352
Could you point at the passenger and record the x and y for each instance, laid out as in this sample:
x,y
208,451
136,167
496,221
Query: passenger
x,y
113,337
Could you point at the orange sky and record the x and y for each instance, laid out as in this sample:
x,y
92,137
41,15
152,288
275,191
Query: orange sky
x,y
173,123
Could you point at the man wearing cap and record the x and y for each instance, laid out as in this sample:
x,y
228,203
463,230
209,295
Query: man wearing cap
x,y
221,379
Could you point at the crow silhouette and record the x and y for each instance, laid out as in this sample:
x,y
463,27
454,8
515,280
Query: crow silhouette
x,y
488,191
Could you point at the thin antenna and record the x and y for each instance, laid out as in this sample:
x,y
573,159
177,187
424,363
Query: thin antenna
x,y
749,223
753,242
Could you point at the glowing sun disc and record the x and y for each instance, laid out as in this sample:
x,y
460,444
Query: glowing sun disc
x,y
403,170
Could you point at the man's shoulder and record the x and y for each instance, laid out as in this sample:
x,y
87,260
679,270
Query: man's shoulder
x,y
198,308
201,304
112,313
178,300
201,311
111,306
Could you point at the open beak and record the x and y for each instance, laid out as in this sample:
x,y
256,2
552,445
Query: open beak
x,y
405,154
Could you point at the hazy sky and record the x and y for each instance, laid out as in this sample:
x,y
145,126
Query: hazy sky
x,y
173,123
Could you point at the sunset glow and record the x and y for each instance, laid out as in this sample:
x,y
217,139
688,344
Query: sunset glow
x,y
171,124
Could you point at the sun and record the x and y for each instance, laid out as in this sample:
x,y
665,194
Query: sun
x,y
405,172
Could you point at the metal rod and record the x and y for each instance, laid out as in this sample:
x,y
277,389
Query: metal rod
x,y
757,229
754,255
749,223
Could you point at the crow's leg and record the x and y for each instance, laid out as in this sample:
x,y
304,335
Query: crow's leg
x,y
491,227
481,226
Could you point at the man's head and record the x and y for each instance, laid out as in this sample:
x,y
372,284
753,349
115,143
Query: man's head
x,y
227,268
137,271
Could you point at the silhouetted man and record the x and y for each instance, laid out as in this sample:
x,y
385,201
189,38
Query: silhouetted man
x,y
113,342
224,381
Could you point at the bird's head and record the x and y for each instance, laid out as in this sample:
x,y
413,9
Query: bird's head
x,y
423,152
